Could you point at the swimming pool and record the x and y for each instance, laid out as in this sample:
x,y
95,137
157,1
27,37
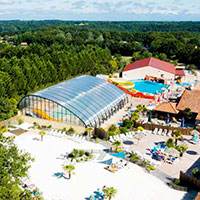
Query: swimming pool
x,y
149,86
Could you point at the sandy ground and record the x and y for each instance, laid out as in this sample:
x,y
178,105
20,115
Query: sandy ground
x,y
131,183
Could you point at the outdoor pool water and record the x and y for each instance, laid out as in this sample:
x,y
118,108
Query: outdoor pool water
x,y
149,86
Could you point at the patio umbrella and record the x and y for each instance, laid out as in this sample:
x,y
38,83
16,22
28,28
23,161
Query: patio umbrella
x,y
167,120
182,122
150,116
171,151
194,133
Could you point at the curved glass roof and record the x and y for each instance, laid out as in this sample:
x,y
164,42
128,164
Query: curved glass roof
x,y
87,97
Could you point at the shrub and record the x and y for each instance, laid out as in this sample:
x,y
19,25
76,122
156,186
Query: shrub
x,y
35,123
50,126
86,159
134,158
195,173
123,129
150,168
142,163
139,128
112,128
71,131
20,121
170,143
78,160
182,148
128,123
97,140
90,156
64,129
177,182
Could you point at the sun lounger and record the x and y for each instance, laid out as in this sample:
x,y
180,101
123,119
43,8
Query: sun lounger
x,y
123,136
155,131
129,135
169,134
164,133
118,138
159,132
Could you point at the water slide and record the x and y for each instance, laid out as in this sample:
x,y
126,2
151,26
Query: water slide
x,y
44,115
129,85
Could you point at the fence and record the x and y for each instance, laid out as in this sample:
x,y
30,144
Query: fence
x,y
150,126
189,181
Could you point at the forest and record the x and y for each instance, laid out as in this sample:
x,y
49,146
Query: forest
x,y
57,51
13,26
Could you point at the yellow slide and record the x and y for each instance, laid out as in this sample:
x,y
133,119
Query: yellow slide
x,y
124,84
44,115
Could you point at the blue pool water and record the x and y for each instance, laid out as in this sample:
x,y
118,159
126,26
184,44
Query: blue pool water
x,y
149,86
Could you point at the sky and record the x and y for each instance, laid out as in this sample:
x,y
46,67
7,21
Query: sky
x,y
101,10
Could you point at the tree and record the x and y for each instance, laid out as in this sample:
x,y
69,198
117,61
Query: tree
x,y
14,165
109,192
135,116
69,169
177,135
117,144
128,123
187,113
89,130
42,133
71,131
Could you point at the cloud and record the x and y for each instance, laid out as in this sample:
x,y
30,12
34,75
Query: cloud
x,y
100,9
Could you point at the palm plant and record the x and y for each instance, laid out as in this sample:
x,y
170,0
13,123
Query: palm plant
x,y
117,144
135,116
42,133
69,169
89,130
109,192
177,135
187,113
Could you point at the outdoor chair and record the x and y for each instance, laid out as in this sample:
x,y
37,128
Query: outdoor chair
x,y
159,132
164,133
169,134
118,138
123,136
155,131
194,140
129,135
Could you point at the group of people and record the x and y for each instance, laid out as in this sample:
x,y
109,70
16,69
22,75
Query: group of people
x,y
100,194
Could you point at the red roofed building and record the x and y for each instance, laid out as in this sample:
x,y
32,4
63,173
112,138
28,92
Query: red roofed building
x,y
150,67
180,72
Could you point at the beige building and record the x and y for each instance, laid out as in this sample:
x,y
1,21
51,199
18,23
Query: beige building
x,y
149,67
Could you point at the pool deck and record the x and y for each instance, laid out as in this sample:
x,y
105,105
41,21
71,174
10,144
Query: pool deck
x,y
190,157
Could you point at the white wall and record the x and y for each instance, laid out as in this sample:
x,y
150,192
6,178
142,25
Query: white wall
x,y
140,73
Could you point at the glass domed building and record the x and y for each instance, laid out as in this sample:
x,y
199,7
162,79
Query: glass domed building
x,y
83,101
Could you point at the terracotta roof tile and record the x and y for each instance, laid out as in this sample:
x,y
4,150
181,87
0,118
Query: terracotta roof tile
x,y
167,107
180,72
190,99
153,62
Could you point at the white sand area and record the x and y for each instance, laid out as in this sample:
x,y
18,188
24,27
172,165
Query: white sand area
x,y
133,183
